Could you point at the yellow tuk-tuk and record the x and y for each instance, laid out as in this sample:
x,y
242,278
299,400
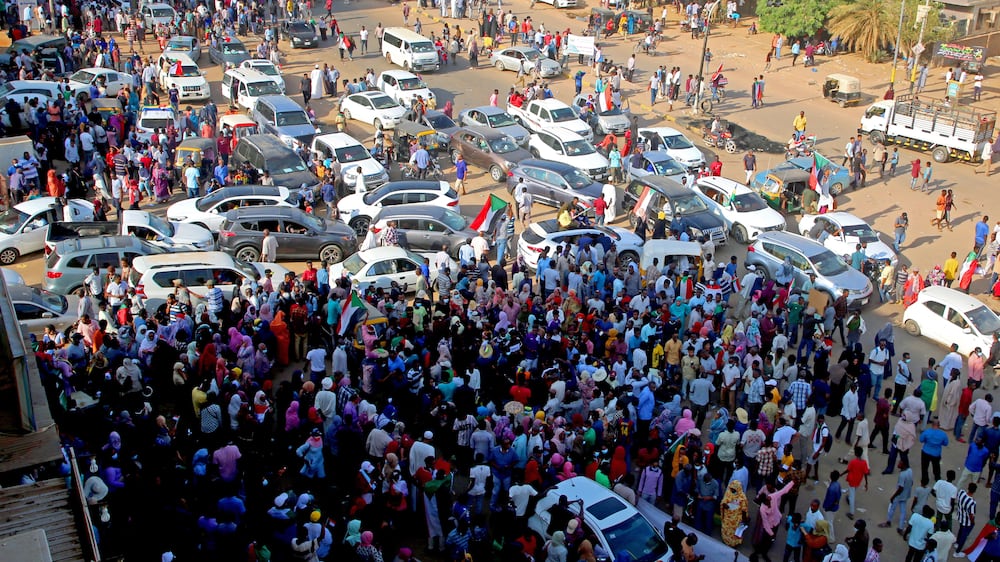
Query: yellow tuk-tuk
x,y
407,131
373,317
201,151
843,89
783,189
106,107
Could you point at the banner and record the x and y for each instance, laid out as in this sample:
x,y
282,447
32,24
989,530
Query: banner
x,y
957,51
580,45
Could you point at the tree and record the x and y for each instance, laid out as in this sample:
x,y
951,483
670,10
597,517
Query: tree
x,y
867,26
793,18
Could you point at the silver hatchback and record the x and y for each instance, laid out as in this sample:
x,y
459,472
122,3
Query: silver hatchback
x,y
832,274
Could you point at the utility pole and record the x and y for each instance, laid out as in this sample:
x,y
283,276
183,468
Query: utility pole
x,y
708,11
899,38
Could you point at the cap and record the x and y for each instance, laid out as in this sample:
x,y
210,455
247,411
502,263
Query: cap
x,y
428,435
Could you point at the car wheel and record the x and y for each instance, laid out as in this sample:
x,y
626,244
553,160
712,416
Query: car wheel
x,y
331,254
837,188
499,65
8,255
406,65
941,154
877,137
911,328
534,153
765,275
497,173
248,254
626,258
388,58
347,115
740,234
360,226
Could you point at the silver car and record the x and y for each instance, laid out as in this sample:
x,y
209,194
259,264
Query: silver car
x,y
494,118
185,45
655,163
611,120
511,57
833,275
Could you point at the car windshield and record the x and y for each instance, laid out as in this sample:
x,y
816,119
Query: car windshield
x,y
352,153
268,69
163,13
233,48
51,301
453,220
414,83
422,47
688,204
297,117
190,71
179,45
984,319
300,27
577,180
748,202
862,231
6,89
83,76
579,148
160,225
561,114
11,220
677,142
383,102
668,167
636,537
827,263
211,200
312,222
440,122
268,88
532,54
155,123
353,264
501,120
503,145
285,164
611,111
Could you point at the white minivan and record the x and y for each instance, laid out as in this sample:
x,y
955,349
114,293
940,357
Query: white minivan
x,y
242,86
349,155
409,49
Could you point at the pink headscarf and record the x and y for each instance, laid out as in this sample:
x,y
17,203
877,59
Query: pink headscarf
x,y
366,538
292,416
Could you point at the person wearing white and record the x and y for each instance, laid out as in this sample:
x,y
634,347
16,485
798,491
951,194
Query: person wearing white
x,y
317,82
359,187
480,245
268,247
610,196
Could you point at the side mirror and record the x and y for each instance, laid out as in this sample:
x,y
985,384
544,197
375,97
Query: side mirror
x,y
48,315
27,228
967,330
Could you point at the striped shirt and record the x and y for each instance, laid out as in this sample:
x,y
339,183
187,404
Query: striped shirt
x,y
966,508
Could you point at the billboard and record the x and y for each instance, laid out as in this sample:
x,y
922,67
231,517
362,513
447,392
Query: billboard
x,y
957,51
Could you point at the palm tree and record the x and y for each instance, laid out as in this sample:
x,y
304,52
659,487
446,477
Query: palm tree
x,y
865,25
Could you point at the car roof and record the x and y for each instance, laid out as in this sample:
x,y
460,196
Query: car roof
x,y
89,243
183,38
486,132
96,70
183,259
398,73
266,141
280,102
551,165
338,140
951,297
724,184
844,218
257,62
810,247
593,494
658,155
551,227
411,210
487,109
412,185
665,185
551,103
521,48
20,292
269,211
382,253
155,111
159,5
663,131
371,94
563,134
231,40
255,191
32,206
182,57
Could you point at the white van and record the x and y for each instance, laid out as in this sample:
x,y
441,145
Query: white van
x,y
410,50
242,86
178,69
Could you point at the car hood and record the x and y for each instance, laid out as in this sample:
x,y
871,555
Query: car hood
x,y
235,58
590,192
278,270
339,229
549,64
575,125
703,221
519,133
294,180
369,167
614,121
628,238
187,80
686,155
182,210
302,34
880,251
185,233
351,203
851,279
763,219
515,156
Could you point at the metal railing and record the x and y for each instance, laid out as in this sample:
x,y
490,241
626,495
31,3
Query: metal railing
x,y
87,520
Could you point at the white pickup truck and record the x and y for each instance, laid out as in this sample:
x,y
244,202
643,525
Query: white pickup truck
x,y
539,115
947,132
174,236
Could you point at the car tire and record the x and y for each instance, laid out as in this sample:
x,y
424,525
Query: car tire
x,y
347,115
764,274
496,172
248,254
877,137
626,258
8,256
499,66
837,188
331,254
360,226
534,153
941,154
912,328
740,234
388,58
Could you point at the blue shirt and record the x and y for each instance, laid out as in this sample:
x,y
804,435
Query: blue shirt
x,y
982,231
794,535
646,403
933,440
422,158
976,459
832,500
460,169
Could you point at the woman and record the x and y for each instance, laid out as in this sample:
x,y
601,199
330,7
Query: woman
x,y
555,549
735,512
816,542
280,329
914,284
948,412
718,424
366,551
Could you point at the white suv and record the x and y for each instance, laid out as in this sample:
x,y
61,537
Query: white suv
x,y
349,154
403,86
178,70
563,145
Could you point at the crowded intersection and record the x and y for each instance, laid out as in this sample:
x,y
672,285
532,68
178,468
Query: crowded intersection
x,y
518,281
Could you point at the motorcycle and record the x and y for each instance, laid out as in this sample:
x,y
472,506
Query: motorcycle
x,y
803,147
434,171
722,139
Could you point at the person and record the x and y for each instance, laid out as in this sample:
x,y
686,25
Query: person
x,y
735,512
918,531
269,247
857,472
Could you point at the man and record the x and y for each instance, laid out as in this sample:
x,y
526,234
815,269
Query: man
x,y
903,378
422,160
965,508
268,247
877,360
945,493
981,410
749,165
461,170
904,489
480,245
981,234
933,440
857,472
192,175
918,529
799,126
306,87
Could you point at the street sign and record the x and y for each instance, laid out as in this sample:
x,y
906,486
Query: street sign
x,y
918,48
954,87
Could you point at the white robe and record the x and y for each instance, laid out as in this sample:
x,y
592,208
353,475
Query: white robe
x,y
317,83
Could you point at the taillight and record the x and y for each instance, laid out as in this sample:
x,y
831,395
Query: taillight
x,y
751,249
226,233
536,249
53,274
48,250
453,203
140,290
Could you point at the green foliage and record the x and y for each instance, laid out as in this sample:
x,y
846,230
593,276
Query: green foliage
x,y
794,18
867,26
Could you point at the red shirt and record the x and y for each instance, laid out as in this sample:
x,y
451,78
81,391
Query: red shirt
x,y
964,401
600,205
716,168
856,471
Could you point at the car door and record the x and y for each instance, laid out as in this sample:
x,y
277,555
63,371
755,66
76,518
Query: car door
x,y
933,323
437,234
405,271
379,272
717,202
103,260
364,112
803,267
33,232
559,188
32,316
959,331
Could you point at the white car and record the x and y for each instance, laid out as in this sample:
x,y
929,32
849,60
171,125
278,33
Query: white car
x,y
676,144
563,145
381,267
948,316
745,212
511,57
113,80
180,71
185,45
157,14
23,227
655,163
152,119
375,108
403,86
210,211
350,154
548,235
846,231
173,235
37,308
268,68
357,210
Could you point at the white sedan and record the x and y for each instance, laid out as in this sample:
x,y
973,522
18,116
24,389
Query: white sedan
x,y
37,308
358,209
210,211
563,145
113,80
403,86
374,108
548,235
676,144
381,267
844,232
746,213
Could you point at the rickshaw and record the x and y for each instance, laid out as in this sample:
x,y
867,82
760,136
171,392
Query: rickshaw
x,y
201,151
643,20
106,107
407,131
783,189
599,20
843,89
239,124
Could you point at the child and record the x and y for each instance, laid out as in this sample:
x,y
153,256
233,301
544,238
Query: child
x,y
831,503
786,462
793,538
893,161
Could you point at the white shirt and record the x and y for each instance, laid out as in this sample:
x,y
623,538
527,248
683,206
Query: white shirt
x,y
478,474
481,246
268,248
317,359
359,187
878,354
520,494
944,491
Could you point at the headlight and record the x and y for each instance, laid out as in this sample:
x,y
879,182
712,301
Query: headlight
x,y
696,231
177,219
287,139
315,37
508,164
350,176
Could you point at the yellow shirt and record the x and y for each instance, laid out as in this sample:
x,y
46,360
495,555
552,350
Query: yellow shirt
x,y
950,269
657,356
800,123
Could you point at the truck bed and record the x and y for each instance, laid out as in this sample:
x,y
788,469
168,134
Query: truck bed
x,y
59,231
965,124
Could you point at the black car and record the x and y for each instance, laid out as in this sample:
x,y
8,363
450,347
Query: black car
x,y
300,235
301,34
553,183
267,152
678,204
